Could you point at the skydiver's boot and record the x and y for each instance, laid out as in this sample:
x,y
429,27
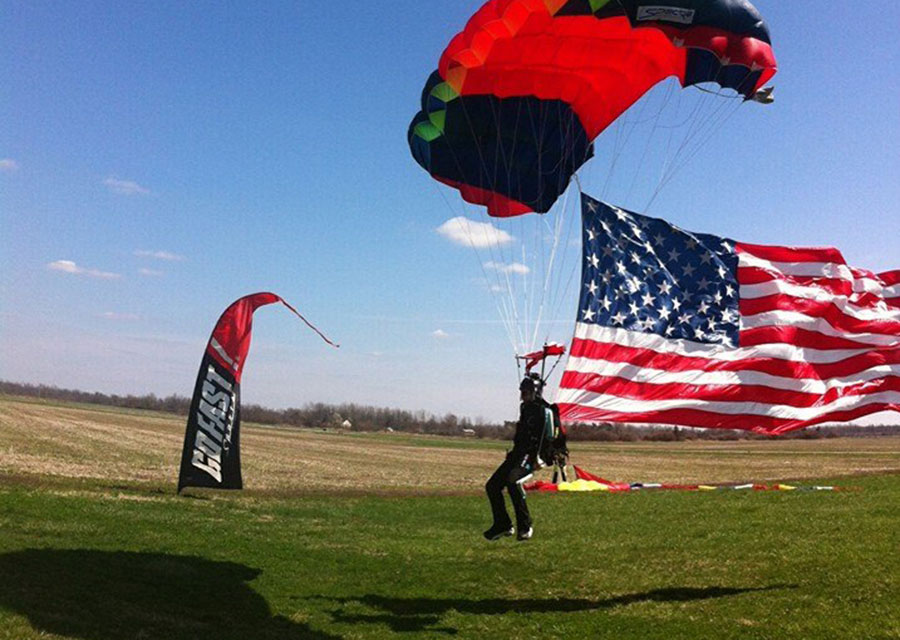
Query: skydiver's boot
x,y
495,532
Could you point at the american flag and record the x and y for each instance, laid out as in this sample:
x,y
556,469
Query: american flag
x,y
696,330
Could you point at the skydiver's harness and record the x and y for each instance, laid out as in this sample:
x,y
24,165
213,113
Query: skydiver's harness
x,y
552,450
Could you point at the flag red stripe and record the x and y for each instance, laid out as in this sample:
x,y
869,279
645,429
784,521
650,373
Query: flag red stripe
x,y
798,337
609,385
792,254
756,275
825,310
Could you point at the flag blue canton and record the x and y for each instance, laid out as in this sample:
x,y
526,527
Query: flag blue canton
x,y
644,274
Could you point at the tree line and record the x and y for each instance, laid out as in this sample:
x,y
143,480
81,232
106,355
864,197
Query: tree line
x,y
318,415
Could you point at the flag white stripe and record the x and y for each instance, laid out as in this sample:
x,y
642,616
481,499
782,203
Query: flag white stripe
x,y
783,287
607,402
830,270
819,325
700,377
689,349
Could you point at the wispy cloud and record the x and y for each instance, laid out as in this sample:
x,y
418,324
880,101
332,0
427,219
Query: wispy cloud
x,y
125,187
160,255
150,273
513,267
113,315
440,334
8,164
67,266
468,233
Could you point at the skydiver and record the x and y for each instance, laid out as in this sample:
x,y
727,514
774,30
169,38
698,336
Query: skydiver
x,y
518,468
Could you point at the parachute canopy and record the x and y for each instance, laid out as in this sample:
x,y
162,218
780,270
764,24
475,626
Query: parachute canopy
x,y
520,94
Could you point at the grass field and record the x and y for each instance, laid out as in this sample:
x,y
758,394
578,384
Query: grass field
x,y
371,536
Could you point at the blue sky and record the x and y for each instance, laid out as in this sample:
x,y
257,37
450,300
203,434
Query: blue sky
x,y
160,159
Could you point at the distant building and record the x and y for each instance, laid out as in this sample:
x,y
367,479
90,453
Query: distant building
x,y
468,432
346,424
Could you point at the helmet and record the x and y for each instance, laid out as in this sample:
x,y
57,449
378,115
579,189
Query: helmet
x,y
527,385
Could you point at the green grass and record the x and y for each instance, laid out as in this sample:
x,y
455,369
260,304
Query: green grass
x,y
88,560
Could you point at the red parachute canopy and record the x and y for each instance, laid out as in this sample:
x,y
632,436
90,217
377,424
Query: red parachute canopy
x,y
520,94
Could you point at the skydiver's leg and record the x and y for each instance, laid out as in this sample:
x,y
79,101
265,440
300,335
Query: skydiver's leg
x,y
520,472
494,489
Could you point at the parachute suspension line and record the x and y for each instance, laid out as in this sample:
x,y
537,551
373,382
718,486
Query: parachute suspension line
x,y
555,232
505,311
508,310
664,103
621,143
705,129
499,304
574,223
717,122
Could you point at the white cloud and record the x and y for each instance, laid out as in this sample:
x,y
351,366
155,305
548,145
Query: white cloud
x,y
440,334
150,273
8,164
514,267
479,235
112,315
160,255
125,187
67,266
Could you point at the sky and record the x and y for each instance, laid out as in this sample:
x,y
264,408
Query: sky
x,y
159,160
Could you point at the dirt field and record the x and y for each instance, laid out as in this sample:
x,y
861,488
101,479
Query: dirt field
x,y
40,439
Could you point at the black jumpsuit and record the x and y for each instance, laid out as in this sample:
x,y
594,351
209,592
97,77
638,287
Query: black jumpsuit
x,y
518,467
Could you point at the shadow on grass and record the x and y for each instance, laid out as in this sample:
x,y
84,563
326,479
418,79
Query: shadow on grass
x,y
101,595
420,614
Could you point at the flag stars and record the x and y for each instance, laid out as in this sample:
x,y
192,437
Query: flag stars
x,y
653,278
